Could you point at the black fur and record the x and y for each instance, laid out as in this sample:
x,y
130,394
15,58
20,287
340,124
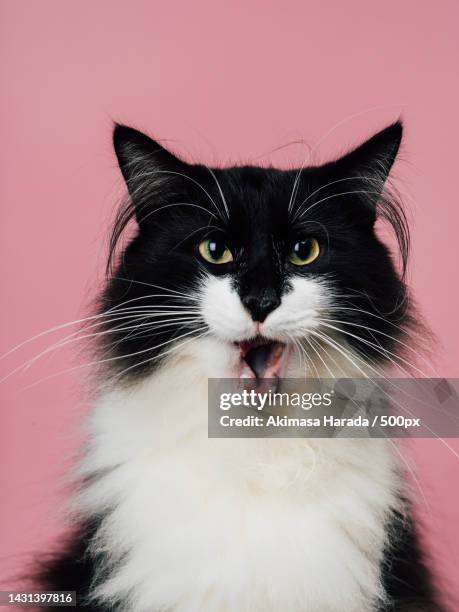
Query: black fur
x,y
74,569
174,205
405,576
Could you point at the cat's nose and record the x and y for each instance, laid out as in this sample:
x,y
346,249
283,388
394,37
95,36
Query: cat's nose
x,y
260,305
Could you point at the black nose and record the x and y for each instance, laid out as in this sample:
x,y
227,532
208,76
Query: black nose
x,y
260,305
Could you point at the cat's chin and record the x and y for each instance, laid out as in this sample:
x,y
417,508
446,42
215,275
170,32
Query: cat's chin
x,y
261,358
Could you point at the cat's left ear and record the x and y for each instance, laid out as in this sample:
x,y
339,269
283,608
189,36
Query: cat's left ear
x,y
152,173
375,156
360,176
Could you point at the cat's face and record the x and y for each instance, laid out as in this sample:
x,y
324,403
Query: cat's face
x,y
257,272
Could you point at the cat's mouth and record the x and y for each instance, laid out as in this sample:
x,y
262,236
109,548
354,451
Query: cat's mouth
x,y
262,358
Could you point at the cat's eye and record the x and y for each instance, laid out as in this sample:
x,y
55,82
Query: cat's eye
x,y
304,252
215,251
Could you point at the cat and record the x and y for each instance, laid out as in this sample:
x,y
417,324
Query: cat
x,y
243,272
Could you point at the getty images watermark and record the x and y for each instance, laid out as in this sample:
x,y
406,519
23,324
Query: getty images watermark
x,y
326,408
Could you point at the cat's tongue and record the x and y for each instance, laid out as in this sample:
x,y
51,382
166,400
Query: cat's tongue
x,y
261,358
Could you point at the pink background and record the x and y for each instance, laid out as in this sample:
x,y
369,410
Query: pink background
x,y
225,81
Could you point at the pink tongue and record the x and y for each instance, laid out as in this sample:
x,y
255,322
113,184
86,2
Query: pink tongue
x,y
258,358
264,360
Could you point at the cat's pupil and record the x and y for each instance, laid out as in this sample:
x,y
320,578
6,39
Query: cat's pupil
x,y
217,249
302,249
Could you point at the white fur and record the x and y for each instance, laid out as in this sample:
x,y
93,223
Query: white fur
x,y
233,525
228,320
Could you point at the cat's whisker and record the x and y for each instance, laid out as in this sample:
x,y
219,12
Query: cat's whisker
x,y
139,299
120,308
309,341
302,354
335,195
151,173
296,182
327,338
411,471
174,204
169,290
395,448
75,337
309,362
366,312
56,328
220,191
167,352
346,354
108,359
98,319
153,324
397,307
383,351
395,339
152,327
361,178
320,346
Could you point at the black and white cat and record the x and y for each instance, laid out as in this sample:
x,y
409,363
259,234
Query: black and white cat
x,y
238,272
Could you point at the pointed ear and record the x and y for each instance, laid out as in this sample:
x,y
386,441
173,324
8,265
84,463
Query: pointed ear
x,y
356,181
153,175
375,157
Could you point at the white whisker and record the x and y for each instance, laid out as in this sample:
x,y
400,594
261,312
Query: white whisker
x,y
164,353
383,351
220,190
109,359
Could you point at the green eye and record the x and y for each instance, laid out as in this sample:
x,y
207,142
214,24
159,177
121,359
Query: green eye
x,y
215,251
304,252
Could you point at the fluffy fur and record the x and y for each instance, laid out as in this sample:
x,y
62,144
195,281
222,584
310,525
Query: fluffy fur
x,y
169,519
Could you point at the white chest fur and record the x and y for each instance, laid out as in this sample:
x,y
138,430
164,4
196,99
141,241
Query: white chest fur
x,y
201,525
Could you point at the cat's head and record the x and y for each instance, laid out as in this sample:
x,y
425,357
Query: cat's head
x,y
255,271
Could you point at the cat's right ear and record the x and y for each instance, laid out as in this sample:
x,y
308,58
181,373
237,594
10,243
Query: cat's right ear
x,y
153,175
